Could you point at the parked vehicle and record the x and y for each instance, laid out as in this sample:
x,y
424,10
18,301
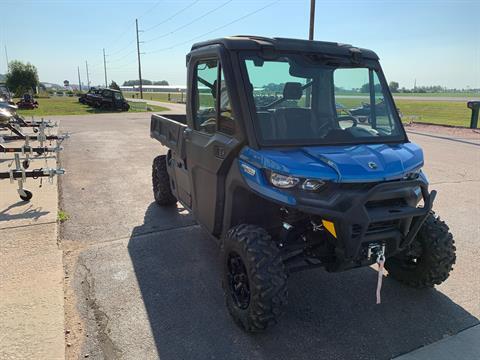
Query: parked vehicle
x,y
27,103
107,99
5,92
295,183
83,97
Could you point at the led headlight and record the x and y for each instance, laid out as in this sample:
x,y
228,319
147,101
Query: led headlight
x,y
312,185
413,175
283,181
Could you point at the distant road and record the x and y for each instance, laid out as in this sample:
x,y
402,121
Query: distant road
x,y
174,108
420,98
436,98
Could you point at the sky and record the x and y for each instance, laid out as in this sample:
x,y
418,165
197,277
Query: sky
x,y
432,42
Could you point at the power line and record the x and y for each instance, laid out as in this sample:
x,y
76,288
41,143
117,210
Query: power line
x,y
123,48
217,28
123,56
120,36
172,16
191,22
150,9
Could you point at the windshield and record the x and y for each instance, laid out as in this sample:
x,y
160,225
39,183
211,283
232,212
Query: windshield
x,y
300,101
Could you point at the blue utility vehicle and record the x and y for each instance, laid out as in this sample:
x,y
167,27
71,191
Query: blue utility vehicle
x,y
272,162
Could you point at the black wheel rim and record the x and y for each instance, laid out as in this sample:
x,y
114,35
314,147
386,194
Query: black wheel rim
x,y
413,257
238,281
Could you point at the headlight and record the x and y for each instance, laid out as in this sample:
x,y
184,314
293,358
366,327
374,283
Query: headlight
x,y
283,181
312,185
413,175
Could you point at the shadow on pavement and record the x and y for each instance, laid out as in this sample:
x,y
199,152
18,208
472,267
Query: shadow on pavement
x,y
29,213
328,315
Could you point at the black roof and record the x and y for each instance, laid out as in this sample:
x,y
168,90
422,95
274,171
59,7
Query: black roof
x,y
249,42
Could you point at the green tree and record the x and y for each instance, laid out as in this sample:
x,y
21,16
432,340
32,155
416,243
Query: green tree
x,y
394,86
21,77
113,85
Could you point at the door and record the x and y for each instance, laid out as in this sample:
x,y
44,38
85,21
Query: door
x,y
210,141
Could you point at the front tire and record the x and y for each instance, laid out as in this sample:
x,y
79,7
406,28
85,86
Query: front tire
x,y
254,277
161,182
429,259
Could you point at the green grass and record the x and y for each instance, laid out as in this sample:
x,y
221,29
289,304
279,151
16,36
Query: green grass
x,y
174,97
69,106
468,94
436,112
62,216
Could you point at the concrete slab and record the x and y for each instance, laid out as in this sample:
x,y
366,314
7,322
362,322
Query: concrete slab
x,y
31,293
31,271
147,281
463,346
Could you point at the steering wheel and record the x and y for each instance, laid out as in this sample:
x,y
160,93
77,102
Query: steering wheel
x,y
349,117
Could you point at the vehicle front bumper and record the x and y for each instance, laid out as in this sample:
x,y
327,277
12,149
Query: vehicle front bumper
x,y
364,215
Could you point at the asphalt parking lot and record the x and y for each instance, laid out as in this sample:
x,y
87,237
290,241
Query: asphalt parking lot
x,y
143,282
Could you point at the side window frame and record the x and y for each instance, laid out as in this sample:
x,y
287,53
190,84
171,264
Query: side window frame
x,y
196,95
217,97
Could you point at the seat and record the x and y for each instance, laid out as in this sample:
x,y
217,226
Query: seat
x,y
293,123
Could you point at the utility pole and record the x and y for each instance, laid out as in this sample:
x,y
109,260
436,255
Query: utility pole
x,y
312,19
308,90
6,55
79,81
139,64
105,68
88,76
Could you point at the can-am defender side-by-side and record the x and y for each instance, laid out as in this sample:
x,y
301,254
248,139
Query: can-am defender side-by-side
x,y
272,162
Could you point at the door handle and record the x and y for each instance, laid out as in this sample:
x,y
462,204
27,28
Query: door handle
x,y
219,151
187,133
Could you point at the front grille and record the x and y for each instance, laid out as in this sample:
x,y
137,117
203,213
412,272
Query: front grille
x,y
387,203
381,226
356,231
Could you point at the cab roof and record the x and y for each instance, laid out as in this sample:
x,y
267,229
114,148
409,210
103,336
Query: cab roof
x,y
250,42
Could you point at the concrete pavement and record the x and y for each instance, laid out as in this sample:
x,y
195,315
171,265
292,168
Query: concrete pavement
x,y
465,346
146,281
174,108
31,272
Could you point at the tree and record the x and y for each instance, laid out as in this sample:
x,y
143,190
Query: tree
x,y
366,88
161,82
137,82
21,77
113,85
394,86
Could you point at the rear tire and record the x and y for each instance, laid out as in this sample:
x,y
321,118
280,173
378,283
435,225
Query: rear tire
x,y
430,258
161,182
254,278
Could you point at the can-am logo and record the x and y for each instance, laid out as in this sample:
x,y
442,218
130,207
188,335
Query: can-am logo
x,y
372,165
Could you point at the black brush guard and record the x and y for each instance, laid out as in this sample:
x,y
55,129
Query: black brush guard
x,y
383,214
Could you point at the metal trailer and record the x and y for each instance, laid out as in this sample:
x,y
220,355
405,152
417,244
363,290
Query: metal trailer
x,y
20,135
20,175
29,152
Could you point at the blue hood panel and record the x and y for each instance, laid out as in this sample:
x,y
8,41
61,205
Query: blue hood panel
x,y
340,163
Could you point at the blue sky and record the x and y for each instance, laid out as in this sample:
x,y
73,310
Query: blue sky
x,y
435,42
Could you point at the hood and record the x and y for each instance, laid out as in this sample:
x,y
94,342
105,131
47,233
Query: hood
x,y
358,163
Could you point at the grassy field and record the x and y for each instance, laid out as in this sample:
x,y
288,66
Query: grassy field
x,y
437,112
67,106
470,94
174,97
